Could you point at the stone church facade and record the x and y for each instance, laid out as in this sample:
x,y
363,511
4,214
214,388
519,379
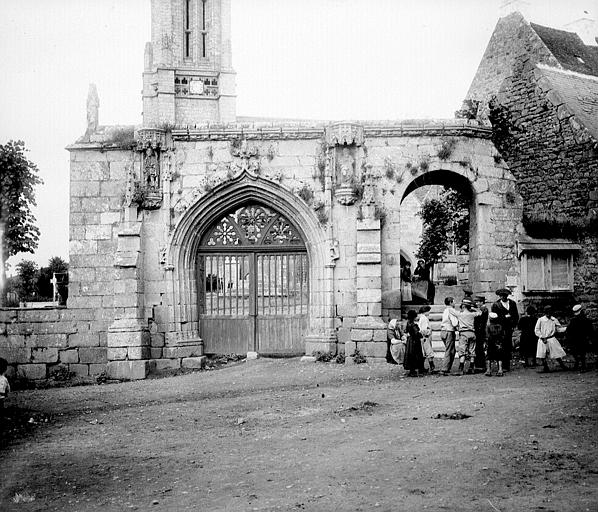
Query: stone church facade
x,y
200,232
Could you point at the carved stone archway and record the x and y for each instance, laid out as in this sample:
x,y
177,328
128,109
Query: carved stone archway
x,y
182,253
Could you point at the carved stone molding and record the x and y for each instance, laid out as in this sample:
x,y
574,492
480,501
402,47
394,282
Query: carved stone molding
x,y
154,138
247,158
345,195
344,134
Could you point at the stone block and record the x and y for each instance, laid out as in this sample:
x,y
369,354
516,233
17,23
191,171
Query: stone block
x,y
362,334
180,352
369,295
96,369
156,352
68,356
380,335
116,353
44,355
193,362
32,371
167,364
350,347
343,334
128,370
92,355
46,340
373,349
157,339
80,370
369,258
369,282
84,339
138,352
117,338
16,355
375,309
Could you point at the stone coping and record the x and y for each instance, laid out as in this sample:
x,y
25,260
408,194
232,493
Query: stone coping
x,y
311,130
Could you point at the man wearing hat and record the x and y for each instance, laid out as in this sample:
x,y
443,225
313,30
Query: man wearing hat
x,y
579,334
508,316
467,340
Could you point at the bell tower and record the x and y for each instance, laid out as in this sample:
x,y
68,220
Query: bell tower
x,y
188,76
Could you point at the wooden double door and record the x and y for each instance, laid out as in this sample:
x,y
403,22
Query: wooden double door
x,y
253,284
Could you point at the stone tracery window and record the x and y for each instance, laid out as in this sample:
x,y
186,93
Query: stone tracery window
x,y
252,225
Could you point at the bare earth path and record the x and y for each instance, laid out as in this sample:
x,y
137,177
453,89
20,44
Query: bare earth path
x,y
284,435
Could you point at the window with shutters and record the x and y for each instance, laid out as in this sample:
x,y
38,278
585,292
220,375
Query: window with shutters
x,y
547,272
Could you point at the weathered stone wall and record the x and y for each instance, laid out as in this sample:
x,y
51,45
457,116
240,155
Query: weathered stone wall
x,y
133,293
36,342
554,161
511,38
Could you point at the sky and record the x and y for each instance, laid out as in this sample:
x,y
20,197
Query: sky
x,y
312,59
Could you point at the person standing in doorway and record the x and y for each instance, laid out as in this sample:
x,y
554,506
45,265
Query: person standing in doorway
x,y
406,283
508,316
448,334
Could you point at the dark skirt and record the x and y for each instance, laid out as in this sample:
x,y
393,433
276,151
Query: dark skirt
x,y
414,356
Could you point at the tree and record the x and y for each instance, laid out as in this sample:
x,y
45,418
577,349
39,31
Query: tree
x,y
27,276
18,178
445,220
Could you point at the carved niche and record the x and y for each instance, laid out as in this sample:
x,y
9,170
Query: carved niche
x,y
151,143
345,140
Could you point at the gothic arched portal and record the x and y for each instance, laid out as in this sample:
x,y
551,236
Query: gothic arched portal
x,y
253,283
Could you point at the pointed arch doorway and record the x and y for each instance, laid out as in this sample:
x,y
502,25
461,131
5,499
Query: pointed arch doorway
x,y
253,283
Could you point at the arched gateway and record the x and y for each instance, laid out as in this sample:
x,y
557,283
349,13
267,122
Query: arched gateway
x,y
253,283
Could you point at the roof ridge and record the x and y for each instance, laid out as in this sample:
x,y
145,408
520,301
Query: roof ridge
x,y
564,71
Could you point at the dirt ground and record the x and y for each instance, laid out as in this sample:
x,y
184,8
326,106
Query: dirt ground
x,y
284,435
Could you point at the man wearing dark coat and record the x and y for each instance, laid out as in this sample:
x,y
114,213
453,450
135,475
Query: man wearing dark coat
x,y
579,334
480,323
508,317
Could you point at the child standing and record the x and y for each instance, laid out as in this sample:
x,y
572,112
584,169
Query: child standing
x,y
4,385
548,346
426,331
414,357
528,339
495,336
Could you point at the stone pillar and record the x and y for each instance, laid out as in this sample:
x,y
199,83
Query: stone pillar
x,y
368,334
128,337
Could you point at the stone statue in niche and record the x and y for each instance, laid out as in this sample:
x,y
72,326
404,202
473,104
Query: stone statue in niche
x,y
151,169
346,167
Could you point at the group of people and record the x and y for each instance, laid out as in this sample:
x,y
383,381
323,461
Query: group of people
x,y
482,338
417,286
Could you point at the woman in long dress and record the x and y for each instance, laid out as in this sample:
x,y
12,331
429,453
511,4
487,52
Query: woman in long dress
x,y
414,356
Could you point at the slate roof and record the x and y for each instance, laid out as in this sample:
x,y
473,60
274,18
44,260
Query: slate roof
x,y
569,49
579,93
